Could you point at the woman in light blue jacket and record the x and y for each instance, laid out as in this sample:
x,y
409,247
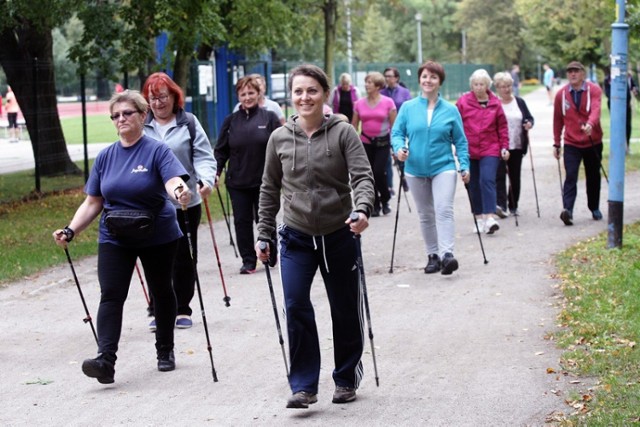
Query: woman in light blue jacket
x,y
424,134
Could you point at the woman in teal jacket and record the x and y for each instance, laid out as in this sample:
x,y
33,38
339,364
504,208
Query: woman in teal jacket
x,y
423,135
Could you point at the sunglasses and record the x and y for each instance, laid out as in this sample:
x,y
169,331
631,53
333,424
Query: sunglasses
x,y
126,114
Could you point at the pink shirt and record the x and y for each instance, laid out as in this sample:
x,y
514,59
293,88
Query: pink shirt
x,y
375,120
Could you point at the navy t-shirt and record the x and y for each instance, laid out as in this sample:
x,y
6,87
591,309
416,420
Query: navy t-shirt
x,y
133,178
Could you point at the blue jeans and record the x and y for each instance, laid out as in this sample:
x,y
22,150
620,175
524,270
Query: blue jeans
x,y
300,257
483,184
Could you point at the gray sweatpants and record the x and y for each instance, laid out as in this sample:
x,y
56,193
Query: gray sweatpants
x,y
434,200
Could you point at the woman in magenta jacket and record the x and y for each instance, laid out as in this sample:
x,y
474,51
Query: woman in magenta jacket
x,y
487,131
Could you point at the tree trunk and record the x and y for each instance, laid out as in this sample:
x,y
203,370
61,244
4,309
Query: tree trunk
x,y
27,59
330,9
181,68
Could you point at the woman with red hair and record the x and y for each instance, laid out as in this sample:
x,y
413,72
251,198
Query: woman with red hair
x,y
181,131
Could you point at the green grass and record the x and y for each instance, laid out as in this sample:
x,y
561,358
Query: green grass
x,y
601,328
26,230
99,129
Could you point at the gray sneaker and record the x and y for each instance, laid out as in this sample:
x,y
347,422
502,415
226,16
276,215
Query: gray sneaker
x,y
301,400
502,213
344,394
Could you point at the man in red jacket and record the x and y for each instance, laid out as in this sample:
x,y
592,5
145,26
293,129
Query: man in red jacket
x,y
576,110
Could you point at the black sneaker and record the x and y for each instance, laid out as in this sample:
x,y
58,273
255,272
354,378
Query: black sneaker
x,y
596,214
248,268
566,217
386,210
376,212
344,394
99,368
166,361
433,266
449,264
301,400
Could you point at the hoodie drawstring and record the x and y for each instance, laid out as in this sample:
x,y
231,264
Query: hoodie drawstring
x,y
324,252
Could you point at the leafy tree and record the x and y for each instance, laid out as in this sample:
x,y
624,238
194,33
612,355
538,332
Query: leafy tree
x,y
565,30
26,35
494,31
374,43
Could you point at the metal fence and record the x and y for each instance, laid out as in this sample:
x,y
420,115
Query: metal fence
x,y
210,96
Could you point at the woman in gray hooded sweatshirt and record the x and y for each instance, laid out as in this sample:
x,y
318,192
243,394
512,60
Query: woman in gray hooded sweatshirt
x,y
315,162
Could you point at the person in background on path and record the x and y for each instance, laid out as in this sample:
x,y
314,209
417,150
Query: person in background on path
x,y
519,121
168,122
242,143
13,109
576,121
632,91
377,114
344,96
140,175
485,126
430,163
515,75
548,79
399,94
319,168
263,101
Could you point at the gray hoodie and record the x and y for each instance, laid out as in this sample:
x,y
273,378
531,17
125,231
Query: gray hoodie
x,y
316,177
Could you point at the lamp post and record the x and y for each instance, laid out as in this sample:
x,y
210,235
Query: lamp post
x,y
419,21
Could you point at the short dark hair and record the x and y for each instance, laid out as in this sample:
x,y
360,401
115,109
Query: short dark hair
x,y
432,67
249,81
313,71
394,70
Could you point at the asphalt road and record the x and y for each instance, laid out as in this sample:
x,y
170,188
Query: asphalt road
x,y
470,349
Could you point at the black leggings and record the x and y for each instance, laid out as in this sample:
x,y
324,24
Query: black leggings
x,y
378,159
115,269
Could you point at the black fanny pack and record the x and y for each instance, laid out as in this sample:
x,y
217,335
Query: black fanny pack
x,y
379,141
129,224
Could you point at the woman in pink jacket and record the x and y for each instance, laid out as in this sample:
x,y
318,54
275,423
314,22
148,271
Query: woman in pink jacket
x,y
487,131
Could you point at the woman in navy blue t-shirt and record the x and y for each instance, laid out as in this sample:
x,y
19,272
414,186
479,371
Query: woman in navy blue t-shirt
x,y
139,174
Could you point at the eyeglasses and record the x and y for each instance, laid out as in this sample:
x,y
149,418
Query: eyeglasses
x,y
388,76
161,98
126,114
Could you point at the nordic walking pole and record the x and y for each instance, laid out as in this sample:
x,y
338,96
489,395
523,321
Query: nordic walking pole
x,y
226,219
84,303
267,264
401,173
599,159
559,172
395,228
195,274
144,290
533,174
510,193
226,298
354,218
476,223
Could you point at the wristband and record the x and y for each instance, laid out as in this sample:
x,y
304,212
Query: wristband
x,y
69,233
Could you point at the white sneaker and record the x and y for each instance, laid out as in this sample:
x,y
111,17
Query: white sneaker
x,y
480,226
491,226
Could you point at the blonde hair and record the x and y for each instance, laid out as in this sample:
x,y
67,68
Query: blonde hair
x,y
376,78
502,77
